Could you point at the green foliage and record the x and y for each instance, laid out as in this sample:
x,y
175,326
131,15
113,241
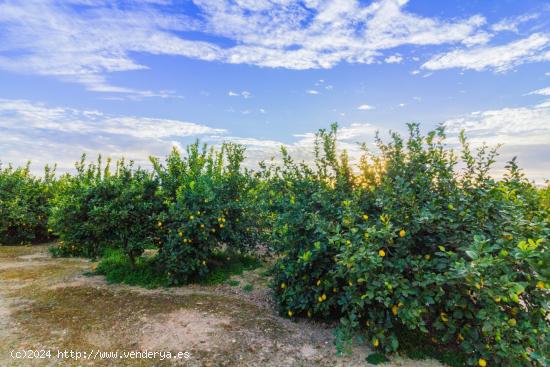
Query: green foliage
x,y
143,271
417,244
248,288
223,265
24,205
146,271
97,209
377,358
209,205
411,242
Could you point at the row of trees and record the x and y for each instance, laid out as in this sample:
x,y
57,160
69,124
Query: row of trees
x,y
407,241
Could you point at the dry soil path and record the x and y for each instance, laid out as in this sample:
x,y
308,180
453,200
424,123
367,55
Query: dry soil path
x,y
48,304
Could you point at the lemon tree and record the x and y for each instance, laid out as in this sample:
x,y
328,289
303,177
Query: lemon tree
x,y
24,205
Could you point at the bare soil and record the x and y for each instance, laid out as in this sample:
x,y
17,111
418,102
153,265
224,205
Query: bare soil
x,y
48,304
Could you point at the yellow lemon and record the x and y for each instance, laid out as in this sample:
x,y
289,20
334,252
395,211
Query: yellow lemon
x,y
376,343
394,310
402,233
202,226
512,322
290,313
320,299
381,253
427,257
540,284
365,217
318,282
191,217
159,224
221,225
283,285
324,296
482,362
444,317
350,283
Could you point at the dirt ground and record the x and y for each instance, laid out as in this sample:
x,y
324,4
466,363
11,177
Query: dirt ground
x,y
49,305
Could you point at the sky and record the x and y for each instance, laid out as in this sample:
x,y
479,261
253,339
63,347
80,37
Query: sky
x,y
137,78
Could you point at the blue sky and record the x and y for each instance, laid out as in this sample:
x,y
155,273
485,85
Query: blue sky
x,y
136,78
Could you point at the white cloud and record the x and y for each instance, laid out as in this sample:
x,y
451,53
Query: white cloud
x,y
542,91
365,107
498,58
393,59
402,104
508,126
511,24
245,94
523,131
58,134
312,91
479,38
84,42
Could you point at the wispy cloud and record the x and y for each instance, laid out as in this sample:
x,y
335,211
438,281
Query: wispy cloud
x,y
508,126
58,134
498,58
511,24
542,91
393,59
84,41
523,132
365,107
312,91
245,94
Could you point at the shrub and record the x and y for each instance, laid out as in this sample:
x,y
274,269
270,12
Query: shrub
x,y
411,242
24,205
208,206
98,209
117,267
305,206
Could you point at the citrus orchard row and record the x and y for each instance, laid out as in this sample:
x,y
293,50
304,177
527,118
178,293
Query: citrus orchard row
x,y
414,238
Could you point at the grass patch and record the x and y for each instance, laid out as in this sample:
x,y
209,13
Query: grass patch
x,y
377,358
248,288
116,268
224,265
417,346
